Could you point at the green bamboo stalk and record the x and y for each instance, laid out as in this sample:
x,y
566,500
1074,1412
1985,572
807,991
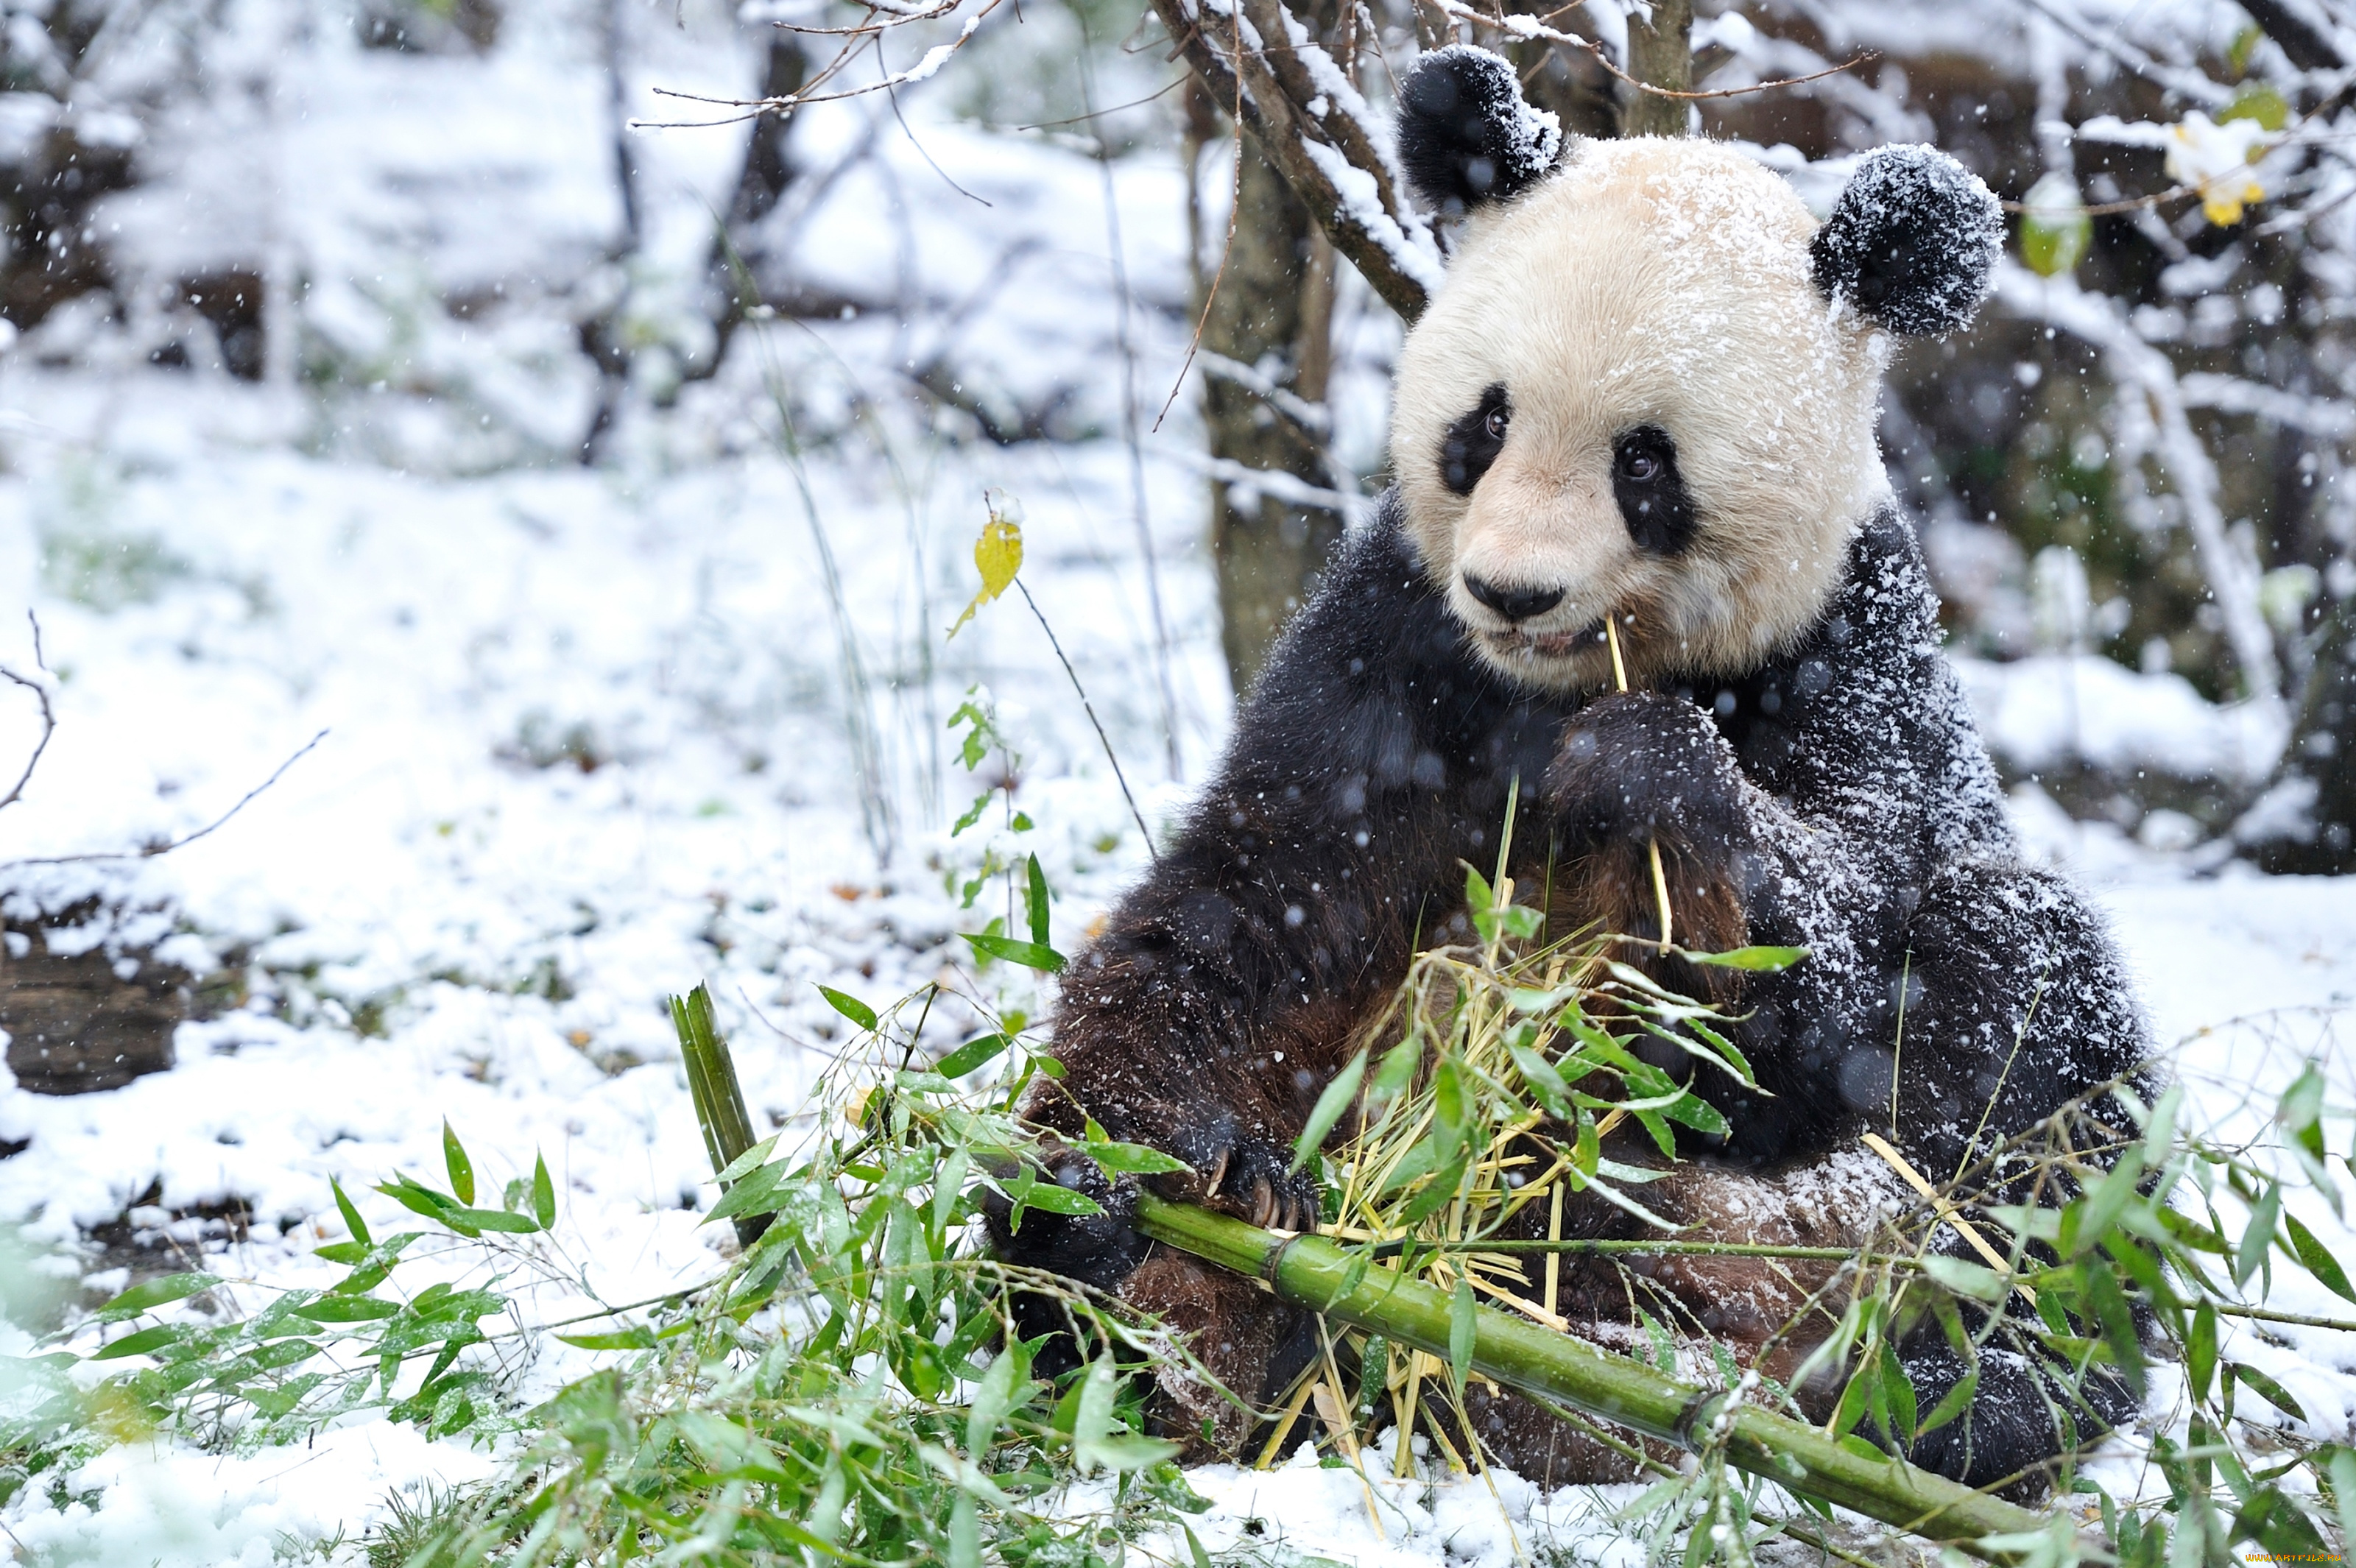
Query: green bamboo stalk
x,y
718,1098
1313,1273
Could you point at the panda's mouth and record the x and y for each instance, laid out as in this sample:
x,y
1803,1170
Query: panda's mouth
x,y
1519,643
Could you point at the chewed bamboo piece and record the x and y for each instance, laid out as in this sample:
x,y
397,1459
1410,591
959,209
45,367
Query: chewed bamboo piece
x,y
1651,846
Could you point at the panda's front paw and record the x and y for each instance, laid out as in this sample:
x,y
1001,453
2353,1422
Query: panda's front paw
x,y
1634,765
1101,1249
1238,1172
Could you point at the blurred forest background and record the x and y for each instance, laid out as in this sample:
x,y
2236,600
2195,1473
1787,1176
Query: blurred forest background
x,y
2139,456
494,479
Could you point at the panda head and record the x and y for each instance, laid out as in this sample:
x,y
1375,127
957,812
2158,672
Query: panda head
x,y
1648,388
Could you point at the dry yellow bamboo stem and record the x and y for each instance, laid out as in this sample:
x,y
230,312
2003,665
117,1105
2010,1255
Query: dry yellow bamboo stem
x,y
1291,1414
1554,1233
1334,1404
1947,1210
1651,846
1528,1308
1403,1457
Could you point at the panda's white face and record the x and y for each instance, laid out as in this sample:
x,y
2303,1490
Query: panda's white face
x,y
1629,400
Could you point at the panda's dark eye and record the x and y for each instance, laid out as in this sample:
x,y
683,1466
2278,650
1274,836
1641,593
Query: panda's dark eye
x,y
1650,492
1470,445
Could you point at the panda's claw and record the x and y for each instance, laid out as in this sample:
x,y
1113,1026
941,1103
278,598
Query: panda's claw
x,y
1263,1203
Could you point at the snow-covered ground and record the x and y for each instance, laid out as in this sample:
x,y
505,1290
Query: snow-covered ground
x,y
588,737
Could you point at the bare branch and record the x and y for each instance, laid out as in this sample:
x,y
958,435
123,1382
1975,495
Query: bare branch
x,y
859,37
1358,204
49,716
149,851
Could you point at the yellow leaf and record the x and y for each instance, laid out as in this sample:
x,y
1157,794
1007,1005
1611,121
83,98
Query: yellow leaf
x,y
998,553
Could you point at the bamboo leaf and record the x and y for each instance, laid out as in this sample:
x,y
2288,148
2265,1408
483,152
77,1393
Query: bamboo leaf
x,y
971,1054
2101,1289
1398,1070
1414,1166
1435,1197
1965,1278
543,1193
1030,955
347,1309
462,1169
2200,1350
1853,1401
1330,1105
2102,1205
1038,905
1698,1114
1478,895
1952,1403
153,1293
746,1163
2159,1134
352,1220
2275,1394
1449,1104
2342,1469
470,1220
2318,1260
637,1337
1057,1200
2259,1236
144,1342
850,1007
1546,1083
1898,1393
1131,1159
1753,960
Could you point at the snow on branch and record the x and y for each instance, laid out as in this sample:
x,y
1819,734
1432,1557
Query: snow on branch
x,y
1736,41
1288,489
1319,132
826,86
2326,417
2138,368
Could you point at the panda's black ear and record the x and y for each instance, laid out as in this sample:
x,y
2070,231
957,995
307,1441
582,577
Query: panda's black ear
x,y
1911,242
1466,135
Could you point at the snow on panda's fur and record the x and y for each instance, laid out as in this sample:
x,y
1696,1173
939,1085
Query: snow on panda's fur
x,y
1646,390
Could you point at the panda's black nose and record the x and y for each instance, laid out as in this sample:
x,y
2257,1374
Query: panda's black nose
x,y
1513,603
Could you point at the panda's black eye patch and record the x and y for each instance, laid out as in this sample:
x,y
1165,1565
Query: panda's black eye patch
x,y
1650,492
1471,443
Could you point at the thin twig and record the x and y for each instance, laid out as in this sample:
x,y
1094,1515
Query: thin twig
x,y
149,851
48,715
1227,253
1529,27
1090,708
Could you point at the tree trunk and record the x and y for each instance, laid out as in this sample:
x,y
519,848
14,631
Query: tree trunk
x,y
1662,55
1270,310
735,264
2318,772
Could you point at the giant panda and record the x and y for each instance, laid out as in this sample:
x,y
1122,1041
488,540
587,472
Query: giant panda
x,y
1646,390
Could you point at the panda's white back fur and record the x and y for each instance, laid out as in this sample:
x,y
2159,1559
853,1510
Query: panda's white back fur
x,y
1645,281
